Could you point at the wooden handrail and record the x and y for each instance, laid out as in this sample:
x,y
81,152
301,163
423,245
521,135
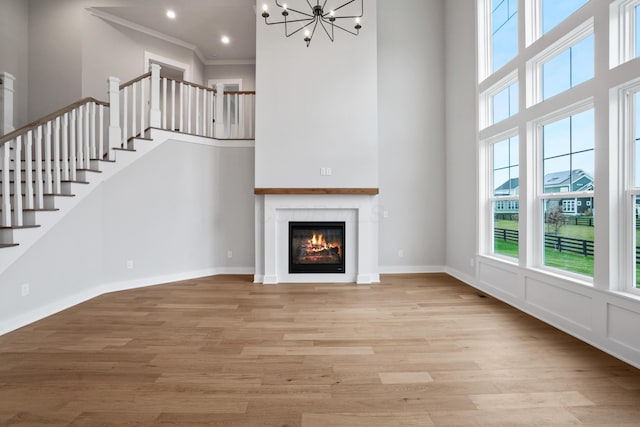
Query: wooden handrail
x,y
197,86
136,80
239,92
49,117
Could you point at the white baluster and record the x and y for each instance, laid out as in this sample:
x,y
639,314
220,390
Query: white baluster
x,y
5,219
134,112
101,132
189,109
219,111
48,176
205,95
92,130
182,95
86,151
154,107
228,117
73,144
197,117
37,148
251,117
56,156
143,109
114,115
28,169
174,104
125,118
164,103
65,147
239,118
17,184
80,138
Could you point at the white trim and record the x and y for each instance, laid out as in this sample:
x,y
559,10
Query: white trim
x,y
230,62
150,56
411,269
622,29
535,64
148,31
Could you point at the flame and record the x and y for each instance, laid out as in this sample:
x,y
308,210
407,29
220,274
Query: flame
x,y
318,243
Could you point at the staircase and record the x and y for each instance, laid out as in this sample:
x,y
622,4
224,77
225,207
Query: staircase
x,y
48,166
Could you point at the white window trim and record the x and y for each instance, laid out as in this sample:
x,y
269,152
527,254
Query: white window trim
x,y
534,65
540,196
621,31
486,237
486,99
623,131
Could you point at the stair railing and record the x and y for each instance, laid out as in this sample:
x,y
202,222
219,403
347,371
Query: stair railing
x,y
50,150
6,103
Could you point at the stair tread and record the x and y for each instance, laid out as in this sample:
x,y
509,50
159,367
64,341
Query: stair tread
x,y
7,245
20,227
125,149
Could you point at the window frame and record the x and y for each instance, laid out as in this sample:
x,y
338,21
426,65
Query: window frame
x,y
534,83
485,50
623,25
540,196
489,246
486,100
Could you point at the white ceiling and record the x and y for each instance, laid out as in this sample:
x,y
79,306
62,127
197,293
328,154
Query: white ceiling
x,y
199,22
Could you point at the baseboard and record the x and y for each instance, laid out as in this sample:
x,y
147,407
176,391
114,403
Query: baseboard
x,y
411,269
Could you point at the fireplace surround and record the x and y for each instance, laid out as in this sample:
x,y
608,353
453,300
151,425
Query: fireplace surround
x,y
274,211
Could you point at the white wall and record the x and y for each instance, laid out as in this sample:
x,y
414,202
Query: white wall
x,y
461,177
14,55
411,135
317,107
175,212
72,53
246,72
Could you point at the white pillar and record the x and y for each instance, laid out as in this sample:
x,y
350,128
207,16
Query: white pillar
x,y
114,115
6,103
154,113
219,117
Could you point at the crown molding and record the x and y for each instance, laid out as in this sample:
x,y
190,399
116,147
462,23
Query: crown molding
x,y
230,62
148,31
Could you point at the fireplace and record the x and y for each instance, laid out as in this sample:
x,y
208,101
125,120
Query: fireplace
x,y
316,247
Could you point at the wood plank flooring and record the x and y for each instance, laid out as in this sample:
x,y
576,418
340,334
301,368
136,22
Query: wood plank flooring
x,y
415,350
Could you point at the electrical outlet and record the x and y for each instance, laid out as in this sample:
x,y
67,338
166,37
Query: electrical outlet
x,y
400,253
323,171
229,254
329,172
471,262
385,214
130,265
24,289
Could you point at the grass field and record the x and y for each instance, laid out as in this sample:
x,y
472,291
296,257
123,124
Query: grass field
x,y
552,258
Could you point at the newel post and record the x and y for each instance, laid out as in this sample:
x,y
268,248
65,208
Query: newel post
x,y
6,103
113,141
219,113
154,112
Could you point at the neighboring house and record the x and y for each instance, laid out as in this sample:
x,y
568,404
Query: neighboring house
x,y
557,182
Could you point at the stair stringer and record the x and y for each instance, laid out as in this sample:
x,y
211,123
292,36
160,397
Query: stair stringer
x,y
46,220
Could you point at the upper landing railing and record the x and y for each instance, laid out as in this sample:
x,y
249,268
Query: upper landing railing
x,y
38,158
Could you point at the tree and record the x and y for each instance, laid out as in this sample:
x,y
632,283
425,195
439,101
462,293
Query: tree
x,y
554,218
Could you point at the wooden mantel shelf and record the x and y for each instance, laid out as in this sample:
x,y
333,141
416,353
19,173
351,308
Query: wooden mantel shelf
x,y
298,191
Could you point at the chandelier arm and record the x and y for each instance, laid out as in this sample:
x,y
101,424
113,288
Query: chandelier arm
x,y
313,31
288,21
299,29
322,22
348,3
323,4
355,33
293,10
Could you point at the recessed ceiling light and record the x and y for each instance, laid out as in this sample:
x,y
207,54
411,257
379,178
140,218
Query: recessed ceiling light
x,y
225,40
171,14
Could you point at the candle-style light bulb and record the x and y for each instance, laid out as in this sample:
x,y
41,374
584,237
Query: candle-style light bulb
x,y
265,13
284,6
358,26
332,15
265,7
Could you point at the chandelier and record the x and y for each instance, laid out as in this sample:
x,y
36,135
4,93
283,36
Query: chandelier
x,y
317,15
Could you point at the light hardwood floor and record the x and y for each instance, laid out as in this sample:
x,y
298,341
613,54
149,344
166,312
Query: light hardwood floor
x,y
416,350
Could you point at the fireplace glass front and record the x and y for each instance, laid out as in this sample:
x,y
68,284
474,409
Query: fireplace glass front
x,y
316,247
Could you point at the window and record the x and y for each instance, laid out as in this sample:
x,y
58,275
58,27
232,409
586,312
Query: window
x,y
505,103
637,31
504,32
625,29
500,101
556,11
563,65
635,186
568,163
505,189
568,69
